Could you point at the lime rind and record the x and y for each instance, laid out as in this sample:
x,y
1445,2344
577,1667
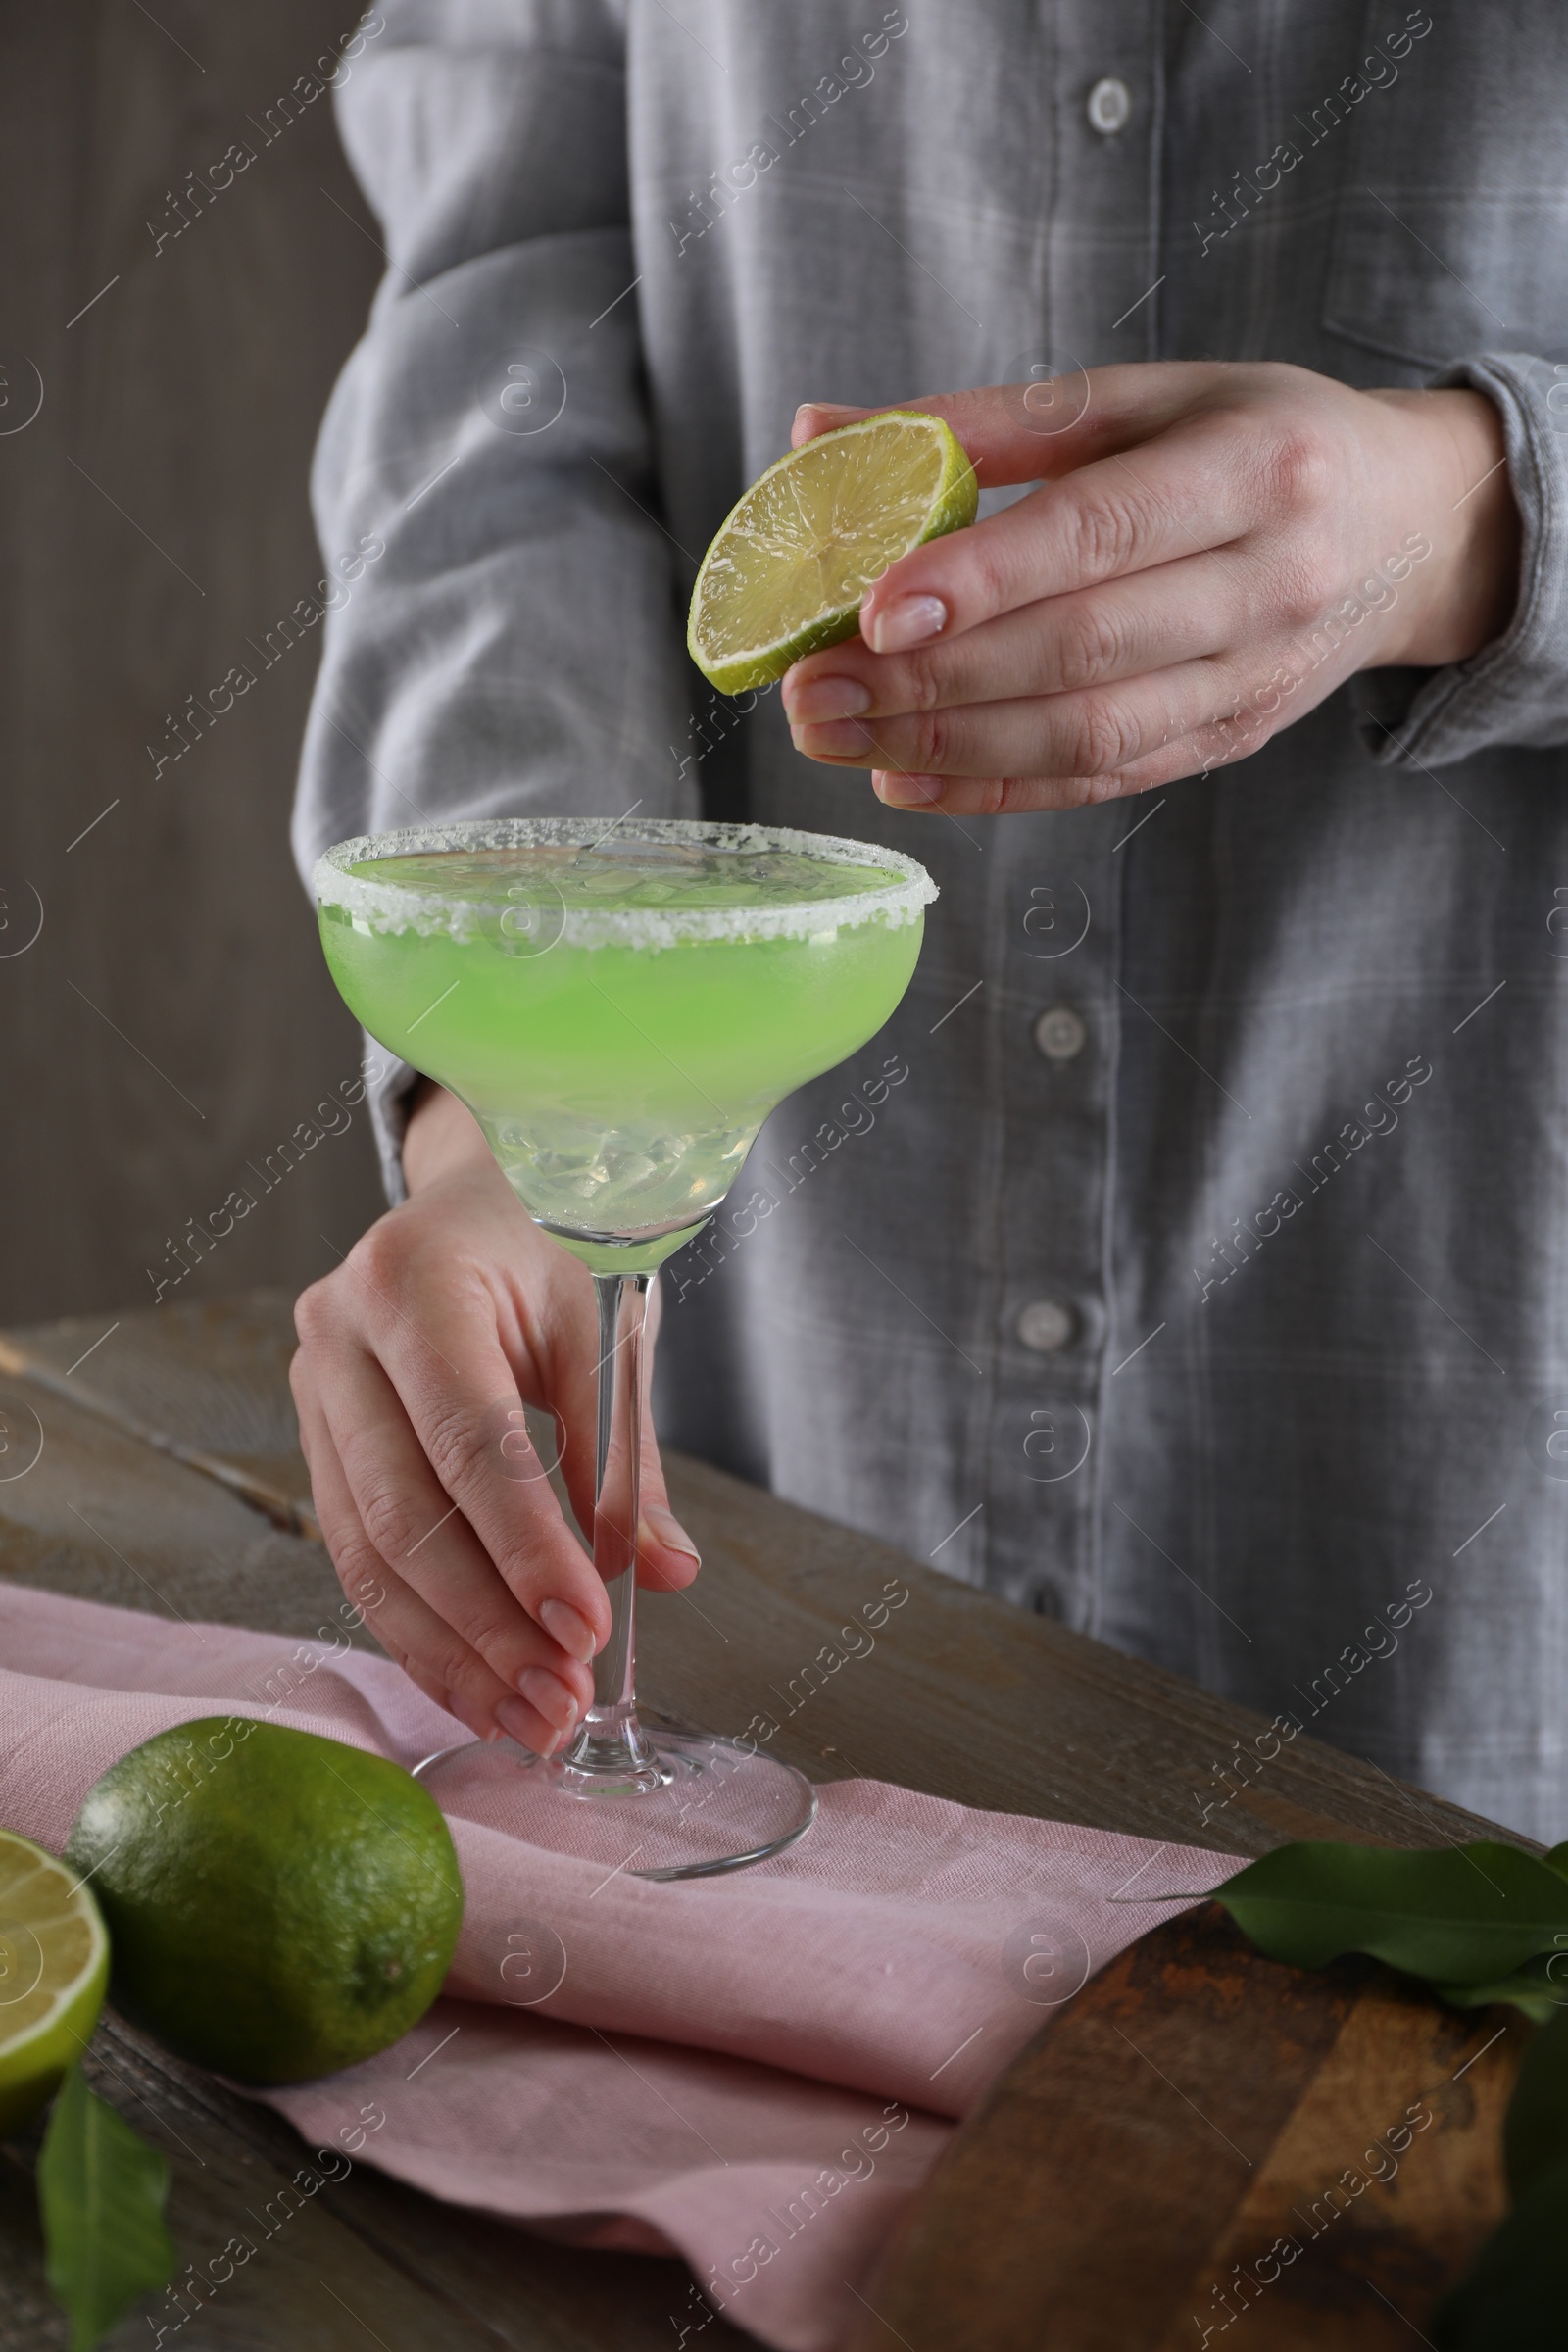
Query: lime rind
x,y
41,1896
282,1905
772,519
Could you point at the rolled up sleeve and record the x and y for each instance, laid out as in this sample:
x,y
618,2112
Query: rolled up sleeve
x,y
1515,690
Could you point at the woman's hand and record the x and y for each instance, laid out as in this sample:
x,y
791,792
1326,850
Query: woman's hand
x,y
1213,549
416,1359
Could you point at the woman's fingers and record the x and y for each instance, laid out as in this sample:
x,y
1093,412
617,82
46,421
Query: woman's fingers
x,y
439,1346
423,1641
1016,796
1117,514
1102,732
415,1361
1281,498
815,416
1027,432
1229,728
1174,612
427,1539
666,1556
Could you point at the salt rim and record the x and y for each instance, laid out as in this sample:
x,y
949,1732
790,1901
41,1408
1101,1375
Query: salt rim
x,y
392,906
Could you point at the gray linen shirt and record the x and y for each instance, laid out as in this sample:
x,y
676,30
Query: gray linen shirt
x,y
1220,1313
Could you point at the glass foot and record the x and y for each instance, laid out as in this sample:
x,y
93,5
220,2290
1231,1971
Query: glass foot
x,y
696,1804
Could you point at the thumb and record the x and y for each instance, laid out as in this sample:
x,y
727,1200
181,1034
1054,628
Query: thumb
x,y
814,417
998,428
1032,432
666,1556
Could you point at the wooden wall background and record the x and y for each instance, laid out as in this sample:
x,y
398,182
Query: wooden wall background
x,y
173,1020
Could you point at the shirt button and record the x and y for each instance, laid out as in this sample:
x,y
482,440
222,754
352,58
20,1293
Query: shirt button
x,y
1110,102
1059,1034
1045,1325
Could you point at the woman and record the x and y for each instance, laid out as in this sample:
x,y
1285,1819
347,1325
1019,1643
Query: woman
x,y
1188,1258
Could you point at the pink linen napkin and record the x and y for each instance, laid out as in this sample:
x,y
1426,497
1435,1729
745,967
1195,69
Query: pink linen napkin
x,y
753,2072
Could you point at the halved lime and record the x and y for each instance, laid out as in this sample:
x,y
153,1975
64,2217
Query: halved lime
x,y
793,558
54,1965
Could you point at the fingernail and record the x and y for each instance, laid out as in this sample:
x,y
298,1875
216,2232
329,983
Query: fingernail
x,y
562,1623
518,1725
907,792
666,1530
908,621
515,1722
849,737
827,698
548,1695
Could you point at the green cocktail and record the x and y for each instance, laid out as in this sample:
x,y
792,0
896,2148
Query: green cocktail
x,y
621,1018
620,1005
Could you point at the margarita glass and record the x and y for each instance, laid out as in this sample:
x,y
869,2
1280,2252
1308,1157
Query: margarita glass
x,y
620,1006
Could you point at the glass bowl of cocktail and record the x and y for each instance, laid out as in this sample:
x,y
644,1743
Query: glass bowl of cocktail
x,y
620,1005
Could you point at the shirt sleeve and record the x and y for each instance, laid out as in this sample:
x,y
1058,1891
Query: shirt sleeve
x,y
1515,690
507,636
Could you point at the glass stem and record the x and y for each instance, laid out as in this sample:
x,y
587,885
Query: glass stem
x,y
610,1748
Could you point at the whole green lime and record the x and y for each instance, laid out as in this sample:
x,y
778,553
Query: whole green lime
x,y
279,1905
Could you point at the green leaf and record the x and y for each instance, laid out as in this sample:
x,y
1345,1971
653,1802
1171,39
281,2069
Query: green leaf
x,y
101,2194
1463,1914
1515,2292
1539,1988
1513,2296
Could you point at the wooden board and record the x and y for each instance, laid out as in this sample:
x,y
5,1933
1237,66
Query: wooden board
x,y
961,1697
1202,2140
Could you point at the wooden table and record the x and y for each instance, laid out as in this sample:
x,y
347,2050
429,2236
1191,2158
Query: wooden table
x,y
169,1479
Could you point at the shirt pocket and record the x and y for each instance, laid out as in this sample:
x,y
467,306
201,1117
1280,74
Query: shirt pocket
x,y
1450,228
